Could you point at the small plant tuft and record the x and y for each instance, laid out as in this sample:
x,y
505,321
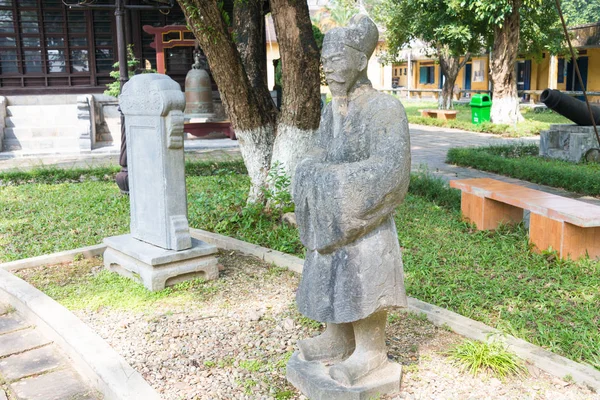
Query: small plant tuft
x,y
277,192
487,357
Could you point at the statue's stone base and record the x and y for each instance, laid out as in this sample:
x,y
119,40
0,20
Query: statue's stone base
x,y
313,380
156,267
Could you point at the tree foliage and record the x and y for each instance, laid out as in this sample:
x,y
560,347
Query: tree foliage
x,y
439,23
540,29
450,31
579,12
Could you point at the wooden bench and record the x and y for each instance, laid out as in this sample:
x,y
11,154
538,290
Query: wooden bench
x,y
568,226
419,92
439,114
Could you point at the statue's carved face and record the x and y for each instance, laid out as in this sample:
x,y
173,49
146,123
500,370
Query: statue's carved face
x,y
342,66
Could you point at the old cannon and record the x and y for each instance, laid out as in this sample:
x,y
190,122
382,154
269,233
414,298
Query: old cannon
x,y
570,142
569,107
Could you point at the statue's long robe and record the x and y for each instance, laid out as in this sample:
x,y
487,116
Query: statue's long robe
x,y
345,194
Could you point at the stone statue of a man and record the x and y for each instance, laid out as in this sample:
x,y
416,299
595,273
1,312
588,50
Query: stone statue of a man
x,y
345,193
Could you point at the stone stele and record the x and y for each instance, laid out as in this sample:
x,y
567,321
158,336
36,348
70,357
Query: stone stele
x,y
345,191
159,251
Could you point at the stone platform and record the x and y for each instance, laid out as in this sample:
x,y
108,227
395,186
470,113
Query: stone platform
x,y
313,380
157,268
567,142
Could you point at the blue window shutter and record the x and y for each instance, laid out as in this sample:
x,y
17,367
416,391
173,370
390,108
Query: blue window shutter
x,y
560,78
423,75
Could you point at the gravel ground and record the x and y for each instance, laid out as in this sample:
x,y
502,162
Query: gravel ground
x,y
234,340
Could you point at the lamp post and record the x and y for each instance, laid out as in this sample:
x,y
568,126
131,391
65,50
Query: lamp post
x,y
120,7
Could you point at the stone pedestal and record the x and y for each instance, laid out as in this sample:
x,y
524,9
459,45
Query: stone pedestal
x,y
159,251
158,268
567,142
313,380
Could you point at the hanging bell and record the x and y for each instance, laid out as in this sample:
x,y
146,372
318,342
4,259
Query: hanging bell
x,y
198,92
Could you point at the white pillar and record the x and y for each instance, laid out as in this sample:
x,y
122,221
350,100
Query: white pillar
x,y
553,72
409,82
387,76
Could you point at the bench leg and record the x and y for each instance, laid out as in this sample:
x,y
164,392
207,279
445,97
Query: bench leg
x,y
571,241
488,214
579,241
545,233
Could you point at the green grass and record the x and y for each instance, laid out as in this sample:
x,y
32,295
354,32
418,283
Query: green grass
x,y
40,219
75,288
532,125
523,162
487,358
492,277
53,175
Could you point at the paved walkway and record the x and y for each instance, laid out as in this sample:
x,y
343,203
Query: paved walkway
x,y
196,149
32,367
429,146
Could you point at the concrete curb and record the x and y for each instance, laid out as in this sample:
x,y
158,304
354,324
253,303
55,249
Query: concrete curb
x,y
92,357
55,258
545,360
271,256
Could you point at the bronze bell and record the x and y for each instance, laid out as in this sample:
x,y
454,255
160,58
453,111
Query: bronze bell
x,y
198,92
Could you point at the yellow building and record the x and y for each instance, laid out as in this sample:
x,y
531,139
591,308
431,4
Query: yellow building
x,y
556,72
421,75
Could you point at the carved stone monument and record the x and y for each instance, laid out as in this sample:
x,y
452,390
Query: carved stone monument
x,y
159,251
345,191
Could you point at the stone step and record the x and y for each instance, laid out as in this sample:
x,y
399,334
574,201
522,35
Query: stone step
x,y
26,122
20,341
38,114
47,99
41,143
11,322
71,131
56,385
32,362
32,367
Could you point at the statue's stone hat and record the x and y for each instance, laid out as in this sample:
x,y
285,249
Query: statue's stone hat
x,y
361,34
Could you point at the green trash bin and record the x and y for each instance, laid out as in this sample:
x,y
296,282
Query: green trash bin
x,y
481,104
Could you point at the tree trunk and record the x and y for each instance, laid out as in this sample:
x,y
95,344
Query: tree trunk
x,y
450,66
250,110
300,81
239,71
505,101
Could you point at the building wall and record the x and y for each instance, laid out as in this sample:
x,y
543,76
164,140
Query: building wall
x,y
436,73
593,79
400,74
272,54
479,74
480,78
